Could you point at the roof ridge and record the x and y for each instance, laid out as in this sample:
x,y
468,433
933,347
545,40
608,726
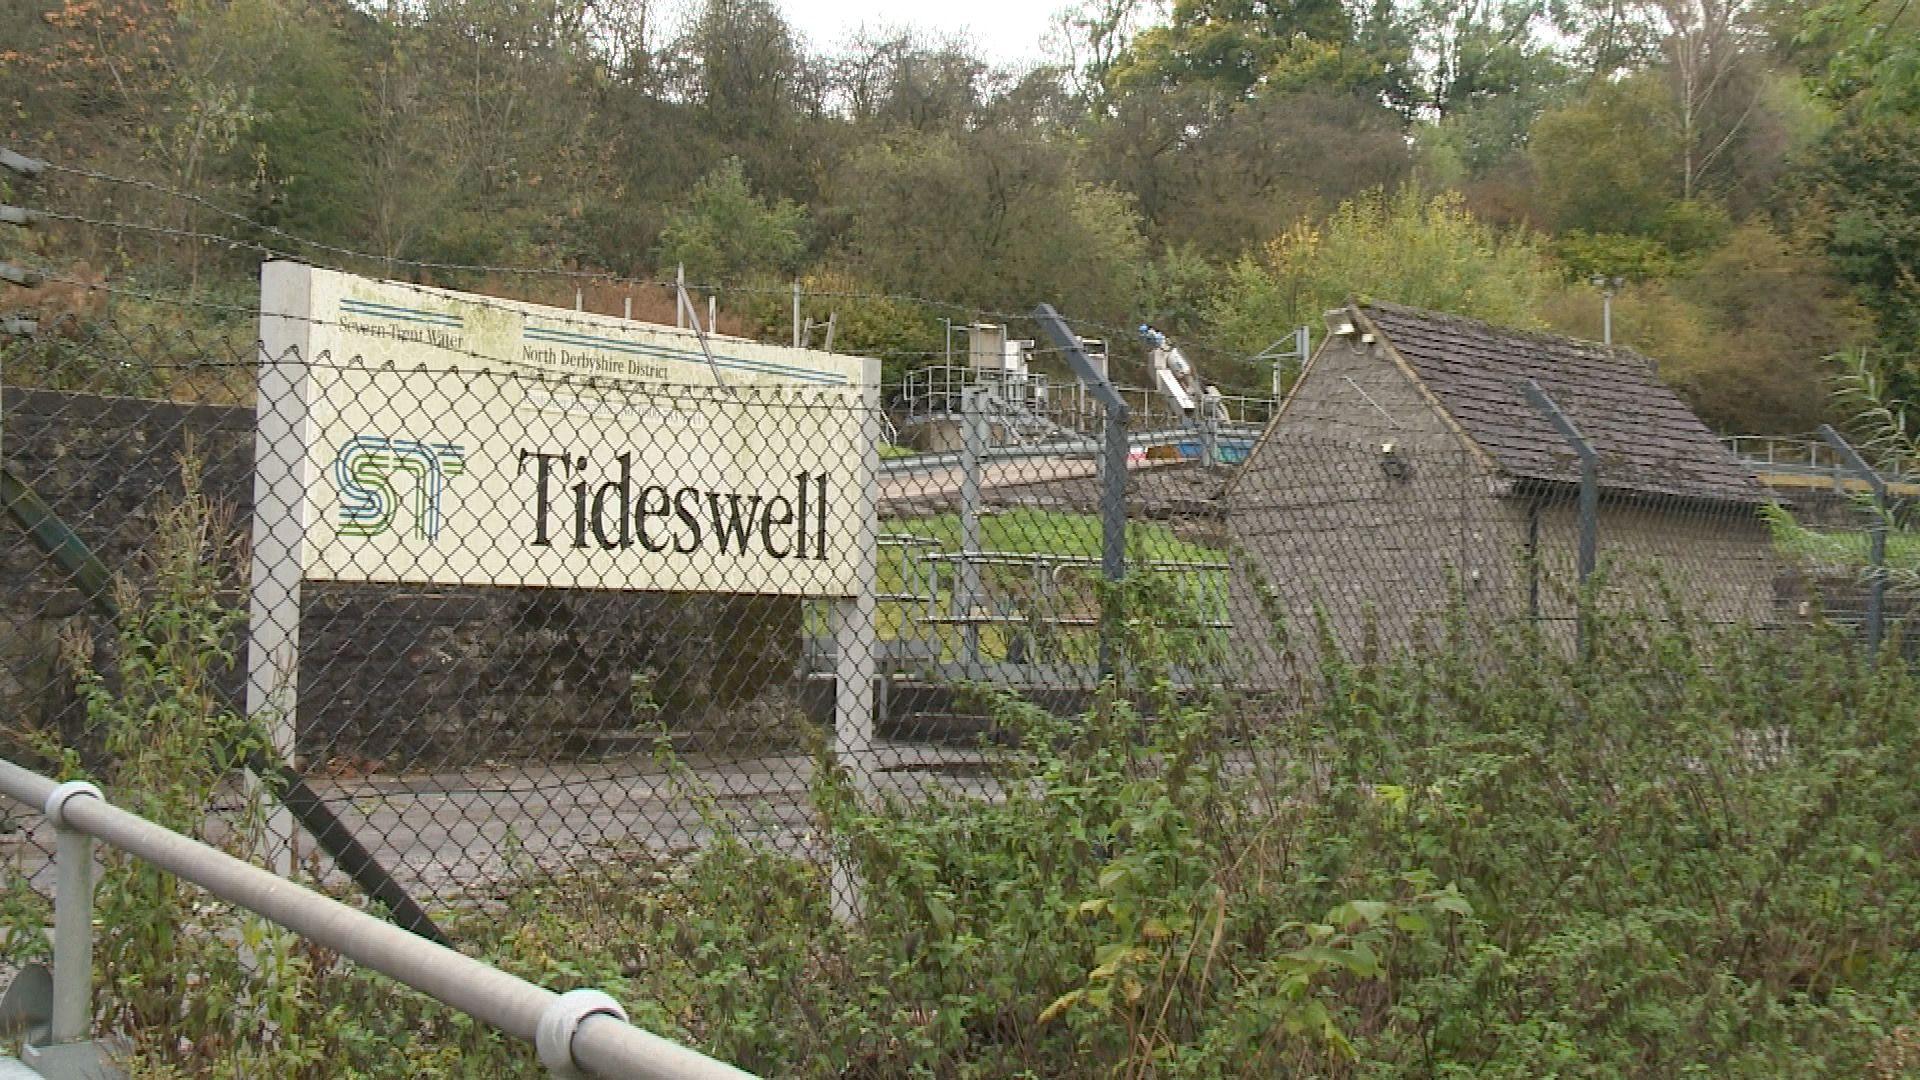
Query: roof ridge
x,y
1586,345
1647,436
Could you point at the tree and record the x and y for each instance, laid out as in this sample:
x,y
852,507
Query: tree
x,y
1864,54
997,219
900,83
1744,332
1223,182
749,93
1865,189
725,232
1479,51
312,117
1089,38
1233,50
1606,163
1405,248
1715,88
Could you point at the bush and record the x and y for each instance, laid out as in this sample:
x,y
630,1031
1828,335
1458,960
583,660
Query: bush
x,y
1686,849
1403,247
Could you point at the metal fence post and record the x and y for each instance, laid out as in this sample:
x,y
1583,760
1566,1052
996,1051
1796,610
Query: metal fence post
x,y
1877,551
1113,476
1209,431
72,937
72,1014
856,641
1589,494
973,447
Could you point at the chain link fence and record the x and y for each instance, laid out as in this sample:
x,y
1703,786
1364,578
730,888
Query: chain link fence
x,y
630,593
469,733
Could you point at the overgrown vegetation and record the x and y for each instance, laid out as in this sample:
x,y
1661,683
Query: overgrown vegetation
x,y
1687,851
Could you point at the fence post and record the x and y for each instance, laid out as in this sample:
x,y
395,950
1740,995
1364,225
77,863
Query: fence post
x,y
1877,551
856,641
1113,476
281,481
1589,494
71,1019
973,447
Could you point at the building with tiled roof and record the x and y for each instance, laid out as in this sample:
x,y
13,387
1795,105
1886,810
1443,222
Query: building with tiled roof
x,y
1407,467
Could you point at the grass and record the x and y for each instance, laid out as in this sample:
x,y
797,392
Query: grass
x,y
1843,550
1026,590
904,570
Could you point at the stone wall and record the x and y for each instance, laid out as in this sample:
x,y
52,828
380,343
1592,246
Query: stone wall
x,y
1717,562
394,675
1364,509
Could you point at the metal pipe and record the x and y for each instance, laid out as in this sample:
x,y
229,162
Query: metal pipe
x,y
601,1043
23,276
21,164
1112,471
72,1019
1589,494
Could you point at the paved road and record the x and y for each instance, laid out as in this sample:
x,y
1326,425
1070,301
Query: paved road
x,y
457,834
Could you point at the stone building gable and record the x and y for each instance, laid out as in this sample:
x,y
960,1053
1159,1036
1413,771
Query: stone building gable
x,y
1650,443
1361,393
1365,506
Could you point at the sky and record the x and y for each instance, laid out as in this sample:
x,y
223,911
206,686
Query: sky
x,y
1004,32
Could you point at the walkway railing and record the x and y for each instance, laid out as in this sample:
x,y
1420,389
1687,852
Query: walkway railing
x,y
1802,455
578,1033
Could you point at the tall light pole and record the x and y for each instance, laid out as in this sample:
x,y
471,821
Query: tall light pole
x,y
1607,286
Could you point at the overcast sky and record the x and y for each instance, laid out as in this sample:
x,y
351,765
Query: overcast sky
x,y
1004,32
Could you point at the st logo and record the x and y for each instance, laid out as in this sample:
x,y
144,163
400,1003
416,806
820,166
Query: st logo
x,y
375,473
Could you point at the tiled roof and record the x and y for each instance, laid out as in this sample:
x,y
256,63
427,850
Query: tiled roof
x,y
1648,441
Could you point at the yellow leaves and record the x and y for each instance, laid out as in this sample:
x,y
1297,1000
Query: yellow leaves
x,y
1294,248
1059,1006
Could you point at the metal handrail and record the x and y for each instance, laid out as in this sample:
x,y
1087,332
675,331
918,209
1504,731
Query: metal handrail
x,y
582,1032
1798,454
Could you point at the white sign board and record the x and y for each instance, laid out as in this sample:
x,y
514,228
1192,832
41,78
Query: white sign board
x,y
417,435
445,438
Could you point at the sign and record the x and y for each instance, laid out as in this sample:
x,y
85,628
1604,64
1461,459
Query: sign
x,y
437,437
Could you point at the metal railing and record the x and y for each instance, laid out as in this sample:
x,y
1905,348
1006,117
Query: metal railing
x,y
936,392
578,1033
1803,455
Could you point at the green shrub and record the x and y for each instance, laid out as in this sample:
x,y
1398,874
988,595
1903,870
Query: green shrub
x,y
1686,850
